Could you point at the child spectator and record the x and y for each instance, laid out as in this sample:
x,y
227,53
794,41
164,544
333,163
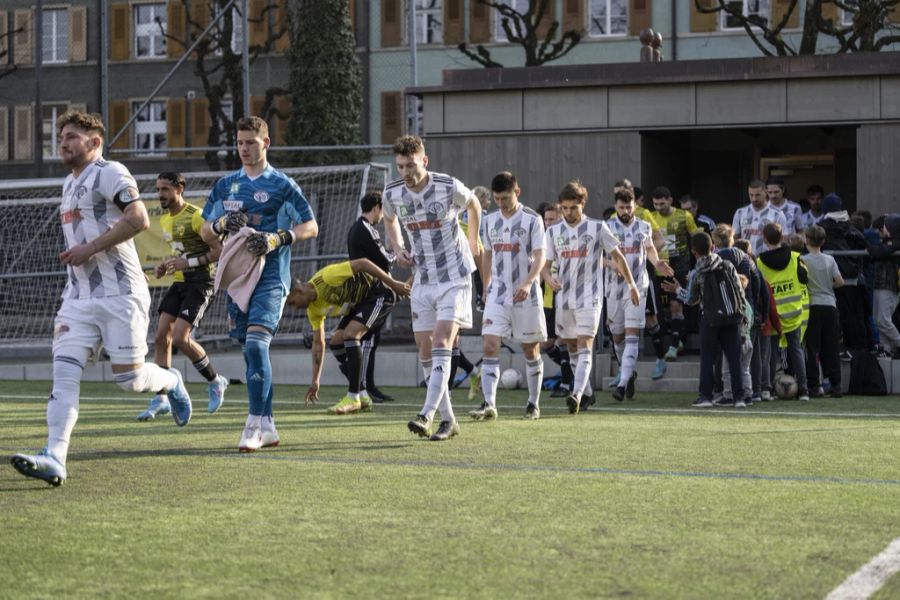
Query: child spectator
x,y
823,333
885,282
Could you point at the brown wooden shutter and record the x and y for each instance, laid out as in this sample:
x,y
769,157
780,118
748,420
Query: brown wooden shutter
x,y
199,15
23,42
175,27
547,21
391,23
831,11
283,105
639,15
119,31
118,116
282,21
4,132
199,123
257,103
703,22
259,22
175,127
479,22
4,40
779,7
24,129
77,33
454,24
573,15
391,117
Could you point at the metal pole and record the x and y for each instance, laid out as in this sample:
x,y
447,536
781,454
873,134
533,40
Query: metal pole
x,y
103,63
184,57
38,145
245,58
414,70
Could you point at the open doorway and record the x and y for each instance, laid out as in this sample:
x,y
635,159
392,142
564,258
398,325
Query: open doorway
x,y
799,172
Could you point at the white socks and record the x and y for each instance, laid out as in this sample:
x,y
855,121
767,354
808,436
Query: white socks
x,y
629,359
583,371
534,374
490,377
147,378
62,407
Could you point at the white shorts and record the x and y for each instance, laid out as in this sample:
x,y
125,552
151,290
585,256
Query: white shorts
x,y
433,302
572,323
521,322
118,323
622,314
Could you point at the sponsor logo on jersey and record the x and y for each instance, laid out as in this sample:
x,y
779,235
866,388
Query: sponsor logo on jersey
x,y
506,247
261,197
487,322
423,225
70,216
232,205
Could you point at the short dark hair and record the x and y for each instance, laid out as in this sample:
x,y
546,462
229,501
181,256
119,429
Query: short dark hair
x,y
408,145
177,179
255,124
878,223
624,195
543,207
504,181
688,198
89,123
743,244
623,183
573,191
701,243
756,184
608,212
661,192
815,236
775,180
815,189
638,192
866,216
370,201
772,233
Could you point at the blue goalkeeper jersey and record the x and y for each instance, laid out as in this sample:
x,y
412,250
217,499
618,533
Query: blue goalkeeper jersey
x,y
272,201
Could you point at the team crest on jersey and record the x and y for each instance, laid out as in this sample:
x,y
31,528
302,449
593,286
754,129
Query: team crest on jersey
x,y
586,240
80,191
261,197
235,188
519,232
435,208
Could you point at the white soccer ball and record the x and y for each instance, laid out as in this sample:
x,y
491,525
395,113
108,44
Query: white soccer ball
x,y
785,387
510,379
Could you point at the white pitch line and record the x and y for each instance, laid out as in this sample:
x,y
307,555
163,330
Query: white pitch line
x,y
871,576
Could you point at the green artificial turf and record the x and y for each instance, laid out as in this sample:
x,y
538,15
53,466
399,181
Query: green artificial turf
x,y
644,499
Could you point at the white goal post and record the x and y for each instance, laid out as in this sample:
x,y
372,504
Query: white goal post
x,y
32,278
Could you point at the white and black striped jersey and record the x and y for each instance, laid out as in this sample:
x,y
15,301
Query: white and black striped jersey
x,y
91,207
793,216
749,223
577,251
634,239
809,219
511,242
430,218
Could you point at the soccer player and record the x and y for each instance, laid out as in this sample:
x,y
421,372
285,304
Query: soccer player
x,y
272,204
676,226
106,299
793,213
427,204
184,304
749,221
625,319
513,239
370,293
815,194
364,241
575,245
690,204
555,349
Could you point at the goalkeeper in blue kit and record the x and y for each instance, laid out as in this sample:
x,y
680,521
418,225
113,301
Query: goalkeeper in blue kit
x,y
262,198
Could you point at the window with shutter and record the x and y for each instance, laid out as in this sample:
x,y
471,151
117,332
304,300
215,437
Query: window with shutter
x,y
258,22
77,33
175,26
748,8
55,35
150,20
479,22
4,132
703,22
23,41
391,117
175,125
23,131
608,17
151,128
640,14
391,24
573,15
779,8
282,21
119,34
51,112
199,122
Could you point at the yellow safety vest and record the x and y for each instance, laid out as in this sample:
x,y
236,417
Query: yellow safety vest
x,y
791,296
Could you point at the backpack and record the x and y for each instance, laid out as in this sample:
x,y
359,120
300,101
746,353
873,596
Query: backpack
x,y
719,300
866,376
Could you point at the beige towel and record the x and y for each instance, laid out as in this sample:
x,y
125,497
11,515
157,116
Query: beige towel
x,y
238,270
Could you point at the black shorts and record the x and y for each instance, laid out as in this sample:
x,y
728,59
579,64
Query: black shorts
x,y
550,318
373,310
654,293
187,300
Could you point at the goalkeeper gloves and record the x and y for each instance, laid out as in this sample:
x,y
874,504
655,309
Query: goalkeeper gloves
x,y
230,222
261,242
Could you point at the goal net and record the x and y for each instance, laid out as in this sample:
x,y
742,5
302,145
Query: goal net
x,y
32,278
